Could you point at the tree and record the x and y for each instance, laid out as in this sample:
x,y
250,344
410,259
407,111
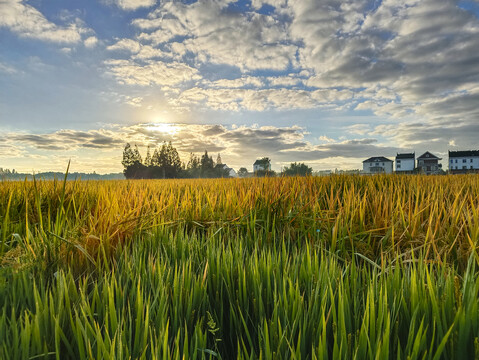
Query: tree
x,y
174,162
128,156
194,166
243,172
148,157
297,169
136,155
207,166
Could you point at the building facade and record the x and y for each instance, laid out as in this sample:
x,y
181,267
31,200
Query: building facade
x,y
263,164
405,163
428,164
463,162
378,165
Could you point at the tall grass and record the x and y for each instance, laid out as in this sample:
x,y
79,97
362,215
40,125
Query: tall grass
x,y
305,268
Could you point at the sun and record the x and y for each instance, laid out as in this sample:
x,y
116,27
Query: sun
x,y
164,128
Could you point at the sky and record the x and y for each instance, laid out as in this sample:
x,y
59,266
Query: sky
x,y
325,82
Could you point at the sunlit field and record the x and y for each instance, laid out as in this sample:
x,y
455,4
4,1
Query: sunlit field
x,y
340,267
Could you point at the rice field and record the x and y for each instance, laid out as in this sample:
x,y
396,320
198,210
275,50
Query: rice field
x,y
340,267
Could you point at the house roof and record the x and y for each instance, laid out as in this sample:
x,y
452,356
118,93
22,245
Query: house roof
x,y
261,162
428,155
377,159
465,153
406,156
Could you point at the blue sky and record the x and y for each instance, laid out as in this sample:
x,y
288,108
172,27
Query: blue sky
x,y
326,82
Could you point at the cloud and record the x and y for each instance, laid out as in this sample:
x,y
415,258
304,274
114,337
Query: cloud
x,y
236,99
67,139
239,145
90,42
151,72
27,21
129,45
7,69
129,5
214,34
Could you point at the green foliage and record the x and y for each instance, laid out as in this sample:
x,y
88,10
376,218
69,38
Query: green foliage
x,y
297,169
243,172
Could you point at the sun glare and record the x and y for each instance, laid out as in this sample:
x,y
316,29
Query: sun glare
x,y
164,128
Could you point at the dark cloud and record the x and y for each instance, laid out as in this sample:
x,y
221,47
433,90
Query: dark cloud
x,y
69,139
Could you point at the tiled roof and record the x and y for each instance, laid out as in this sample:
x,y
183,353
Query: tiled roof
x,y
428,155
405,156
377,159
465,153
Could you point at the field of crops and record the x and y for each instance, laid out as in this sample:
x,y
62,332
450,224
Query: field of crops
x,y
340,267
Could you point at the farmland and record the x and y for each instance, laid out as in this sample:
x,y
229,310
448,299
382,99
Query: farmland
x,y
273,268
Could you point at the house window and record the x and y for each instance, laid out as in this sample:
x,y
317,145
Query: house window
x,y
382,164
377,164
471,167
398,166
470,160
398,161
456,167
452,161
456,161
464,160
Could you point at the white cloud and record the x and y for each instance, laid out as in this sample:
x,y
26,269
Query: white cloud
x,y
151,72
90,42
27,21
125,45
215,35
133,4
7,69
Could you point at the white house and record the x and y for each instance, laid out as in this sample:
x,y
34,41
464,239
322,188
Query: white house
x,y
428,163
378,165
405,163
263,164
461,162
231,171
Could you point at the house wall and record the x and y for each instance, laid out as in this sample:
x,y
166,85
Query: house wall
x,y
370,167
458,163
405,165
428,166
261,167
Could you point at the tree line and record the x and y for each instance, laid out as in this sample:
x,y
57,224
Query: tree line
x,y
165,163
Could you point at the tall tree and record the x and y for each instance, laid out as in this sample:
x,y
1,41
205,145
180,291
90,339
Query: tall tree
x,y
207,165
137,155
148,157
174,161
193,168
128,156
134,169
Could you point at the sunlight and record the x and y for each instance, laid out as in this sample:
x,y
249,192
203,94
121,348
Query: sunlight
x,y
164,128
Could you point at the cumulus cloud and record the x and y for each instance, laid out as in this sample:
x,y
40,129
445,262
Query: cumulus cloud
x,y
134,4
90,42
151,72
214,34
27,21
235,99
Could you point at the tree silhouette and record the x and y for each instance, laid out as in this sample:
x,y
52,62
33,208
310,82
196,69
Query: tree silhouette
x,y
297,169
